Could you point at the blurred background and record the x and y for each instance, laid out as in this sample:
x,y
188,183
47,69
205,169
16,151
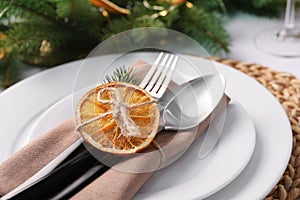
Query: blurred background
x,y
36,35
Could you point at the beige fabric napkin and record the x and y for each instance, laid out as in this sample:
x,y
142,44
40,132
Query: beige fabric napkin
x,y
34,156
121,182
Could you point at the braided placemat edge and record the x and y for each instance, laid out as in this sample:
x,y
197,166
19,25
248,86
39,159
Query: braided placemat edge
x,y
286,88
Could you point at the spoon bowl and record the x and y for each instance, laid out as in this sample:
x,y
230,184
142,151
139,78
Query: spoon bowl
x,y
189,104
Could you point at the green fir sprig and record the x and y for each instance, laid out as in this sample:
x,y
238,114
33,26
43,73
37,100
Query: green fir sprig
x,y
121,74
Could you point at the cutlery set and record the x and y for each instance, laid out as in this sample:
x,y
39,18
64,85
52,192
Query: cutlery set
x,y
182,107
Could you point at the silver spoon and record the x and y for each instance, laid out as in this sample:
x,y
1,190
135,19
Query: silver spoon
x,y
187,105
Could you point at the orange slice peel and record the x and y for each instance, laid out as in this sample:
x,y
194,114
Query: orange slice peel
x,y
119,118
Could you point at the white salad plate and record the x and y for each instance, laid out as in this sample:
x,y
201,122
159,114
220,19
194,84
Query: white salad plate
x,y
228,163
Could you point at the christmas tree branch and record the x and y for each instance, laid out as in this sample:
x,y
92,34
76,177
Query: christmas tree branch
x,y
51,32
8,70
205,28
7,82
30,11
222,43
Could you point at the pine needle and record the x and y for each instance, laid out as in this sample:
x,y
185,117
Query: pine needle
x,y
121,74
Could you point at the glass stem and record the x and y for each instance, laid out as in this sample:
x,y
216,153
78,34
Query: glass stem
x,y
289,21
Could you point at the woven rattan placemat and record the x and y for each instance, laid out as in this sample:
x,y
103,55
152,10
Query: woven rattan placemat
x,y
286,88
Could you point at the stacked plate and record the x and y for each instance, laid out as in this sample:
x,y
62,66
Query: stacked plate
x,y
247,162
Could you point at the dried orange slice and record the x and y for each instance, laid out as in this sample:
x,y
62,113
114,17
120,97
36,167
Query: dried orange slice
x,y
118,117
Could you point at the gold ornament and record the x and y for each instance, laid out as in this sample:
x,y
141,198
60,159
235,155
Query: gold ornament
x,y
189,4
45,48
109,6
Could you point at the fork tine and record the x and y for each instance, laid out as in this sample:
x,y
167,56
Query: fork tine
x,y
151,71
163,75
168,76
157,74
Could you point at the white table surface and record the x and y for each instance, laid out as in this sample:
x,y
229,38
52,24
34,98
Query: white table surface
x,y
242,29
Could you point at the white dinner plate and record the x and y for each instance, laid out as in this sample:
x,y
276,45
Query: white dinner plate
x,y
238,133
32,96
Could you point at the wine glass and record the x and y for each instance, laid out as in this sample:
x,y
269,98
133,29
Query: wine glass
x,y
284,41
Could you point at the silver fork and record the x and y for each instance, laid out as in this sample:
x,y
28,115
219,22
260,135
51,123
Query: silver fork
x,y
155,82
159,75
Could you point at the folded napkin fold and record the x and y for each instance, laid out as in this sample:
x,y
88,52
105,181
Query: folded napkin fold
x,y
34,156
123,180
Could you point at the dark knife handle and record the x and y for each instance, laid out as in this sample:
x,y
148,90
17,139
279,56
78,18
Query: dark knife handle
x,y
67,179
